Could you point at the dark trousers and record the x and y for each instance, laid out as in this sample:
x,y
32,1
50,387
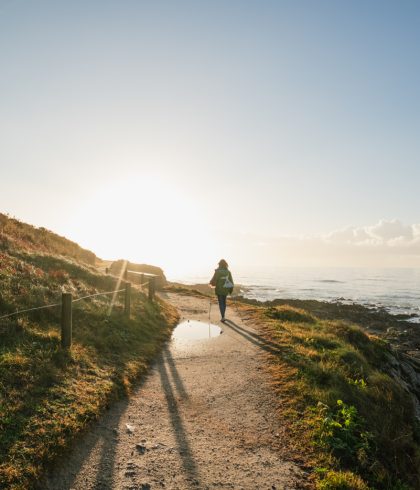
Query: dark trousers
x,y
221,298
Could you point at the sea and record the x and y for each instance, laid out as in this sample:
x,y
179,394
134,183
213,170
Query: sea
x,y
396,290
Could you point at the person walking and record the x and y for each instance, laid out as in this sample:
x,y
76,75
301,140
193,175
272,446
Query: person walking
x,y
223,282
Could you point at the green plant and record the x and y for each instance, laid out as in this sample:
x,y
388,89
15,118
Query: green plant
x,y
360,383
341,430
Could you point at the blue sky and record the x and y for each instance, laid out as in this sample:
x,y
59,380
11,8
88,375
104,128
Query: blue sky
x,y
252,120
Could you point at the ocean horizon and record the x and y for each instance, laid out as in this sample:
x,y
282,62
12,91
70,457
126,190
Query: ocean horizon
x,y
397,290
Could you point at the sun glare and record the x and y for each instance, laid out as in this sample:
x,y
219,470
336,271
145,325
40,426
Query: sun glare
x,y
145,220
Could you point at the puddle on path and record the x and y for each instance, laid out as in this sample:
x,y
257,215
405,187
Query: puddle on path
x,y
195,330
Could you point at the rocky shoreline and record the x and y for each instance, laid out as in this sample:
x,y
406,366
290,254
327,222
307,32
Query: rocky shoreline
x,y
402,334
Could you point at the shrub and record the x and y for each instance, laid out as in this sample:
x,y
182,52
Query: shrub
x,y
342,431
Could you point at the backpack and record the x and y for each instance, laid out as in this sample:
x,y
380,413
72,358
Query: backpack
x,y
225,284
228,284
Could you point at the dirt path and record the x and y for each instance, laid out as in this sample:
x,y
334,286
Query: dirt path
x,y
203,419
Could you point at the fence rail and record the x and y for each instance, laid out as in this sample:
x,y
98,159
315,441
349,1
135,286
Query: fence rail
x,y
29,309
98,294
67,306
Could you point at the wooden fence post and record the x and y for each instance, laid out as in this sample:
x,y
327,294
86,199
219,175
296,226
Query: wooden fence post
x,y
152,287
127,301
141,279
66,320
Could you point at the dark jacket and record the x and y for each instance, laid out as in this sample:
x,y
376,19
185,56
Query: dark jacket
x,y
218,280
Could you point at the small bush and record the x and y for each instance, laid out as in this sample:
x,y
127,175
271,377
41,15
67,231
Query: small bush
x,y
342,431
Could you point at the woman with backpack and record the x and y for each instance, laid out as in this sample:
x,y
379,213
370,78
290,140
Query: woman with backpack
x,y
223,282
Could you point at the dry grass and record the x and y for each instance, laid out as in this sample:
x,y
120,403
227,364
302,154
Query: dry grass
x,y
20,236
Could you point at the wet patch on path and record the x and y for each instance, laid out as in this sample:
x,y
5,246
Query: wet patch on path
x,y
193,330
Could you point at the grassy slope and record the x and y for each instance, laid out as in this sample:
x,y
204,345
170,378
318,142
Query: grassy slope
x,y
369,439
48,395
21,236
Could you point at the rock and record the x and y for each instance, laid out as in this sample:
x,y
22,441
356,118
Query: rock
x,y
141,449
406,371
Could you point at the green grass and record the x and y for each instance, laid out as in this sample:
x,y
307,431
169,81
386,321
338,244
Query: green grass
x,y
49,395
339,398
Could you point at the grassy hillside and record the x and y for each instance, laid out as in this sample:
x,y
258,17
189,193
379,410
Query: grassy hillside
x,y
48,395
348,409
15,235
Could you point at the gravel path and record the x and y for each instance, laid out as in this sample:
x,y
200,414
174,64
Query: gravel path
x,y
204,418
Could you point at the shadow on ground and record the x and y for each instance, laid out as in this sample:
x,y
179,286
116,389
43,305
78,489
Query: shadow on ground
x,y
254,338
99,446
166,368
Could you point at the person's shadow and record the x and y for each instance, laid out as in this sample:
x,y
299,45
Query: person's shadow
x,y
254,338
167,368
102,437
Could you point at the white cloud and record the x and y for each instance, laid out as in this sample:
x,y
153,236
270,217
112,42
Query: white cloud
x,y
388,243
416,231
391,230
385,233
349,234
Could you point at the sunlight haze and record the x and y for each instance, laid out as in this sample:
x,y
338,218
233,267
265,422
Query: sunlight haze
x,y
178,132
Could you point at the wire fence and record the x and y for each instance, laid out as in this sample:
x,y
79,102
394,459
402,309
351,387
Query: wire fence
x,y
98,294
73,301
19,312
67,304
28,310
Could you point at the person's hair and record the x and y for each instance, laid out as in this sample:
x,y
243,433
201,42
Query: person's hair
x,y
223,263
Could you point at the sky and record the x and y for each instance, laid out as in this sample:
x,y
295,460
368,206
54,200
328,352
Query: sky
x,y
180,132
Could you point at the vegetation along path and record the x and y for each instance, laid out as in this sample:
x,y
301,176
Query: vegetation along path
x,y
203,418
